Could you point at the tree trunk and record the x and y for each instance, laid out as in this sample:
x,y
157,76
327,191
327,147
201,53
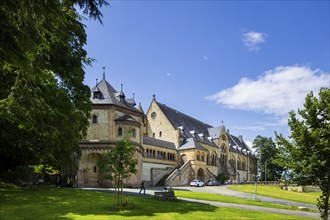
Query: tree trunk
x,y
323,202
121,194
115,191
326,206
118,195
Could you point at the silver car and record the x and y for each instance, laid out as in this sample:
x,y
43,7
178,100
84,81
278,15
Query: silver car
x,y
213,183
196,183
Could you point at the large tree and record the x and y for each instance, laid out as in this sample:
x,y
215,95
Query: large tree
x,y
44,104
267,151
307,152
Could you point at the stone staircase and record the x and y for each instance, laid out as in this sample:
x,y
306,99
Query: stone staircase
x,y
181,176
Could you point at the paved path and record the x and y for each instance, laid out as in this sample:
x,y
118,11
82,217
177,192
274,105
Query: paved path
x,y
223,190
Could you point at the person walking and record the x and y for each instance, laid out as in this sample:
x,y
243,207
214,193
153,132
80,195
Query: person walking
x,y
142,188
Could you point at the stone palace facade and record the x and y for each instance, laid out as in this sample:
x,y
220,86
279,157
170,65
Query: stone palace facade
x,y
172,148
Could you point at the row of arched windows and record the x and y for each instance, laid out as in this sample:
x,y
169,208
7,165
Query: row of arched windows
x,y
160,154
213,160
223,159
210,159
241,164
200,156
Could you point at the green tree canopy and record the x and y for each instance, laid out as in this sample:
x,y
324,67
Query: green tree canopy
x,y
307,153
44,105
267,151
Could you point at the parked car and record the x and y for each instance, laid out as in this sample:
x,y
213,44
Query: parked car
x,y
213,183
196,183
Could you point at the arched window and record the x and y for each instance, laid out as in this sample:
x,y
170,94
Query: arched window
x,y
160,134
243,164
223,149
133,132
120,132
198,156
94,169
233,161
94,119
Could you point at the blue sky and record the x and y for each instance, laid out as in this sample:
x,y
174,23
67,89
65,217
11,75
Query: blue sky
x,y
246,63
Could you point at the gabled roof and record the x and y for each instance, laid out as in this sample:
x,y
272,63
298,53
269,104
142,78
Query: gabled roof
x,y
110,96
158,143
237,142
189,126
191,143
216,131
126,118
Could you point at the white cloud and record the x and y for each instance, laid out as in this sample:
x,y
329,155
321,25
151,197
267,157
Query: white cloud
x,y
205,57
252,40
250,128
168,74
275,92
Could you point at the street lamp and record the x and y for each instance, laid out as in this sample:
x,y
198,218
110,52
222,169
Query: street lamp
x,y
255,190
265,171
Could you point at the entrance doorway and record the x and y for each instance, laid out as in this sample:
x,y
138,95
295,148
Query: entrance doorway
x,y
200,174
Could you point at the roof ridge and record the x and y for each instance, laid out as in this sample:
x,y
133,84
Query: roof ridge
x,y
209,126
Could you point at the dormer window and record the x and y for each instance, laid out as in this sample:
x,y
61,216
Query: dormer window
x,y
97,95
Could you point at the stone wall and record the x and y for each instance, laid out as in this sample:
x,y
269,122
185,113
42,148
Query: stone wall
x,y
301,188
182,176
160,126
153,172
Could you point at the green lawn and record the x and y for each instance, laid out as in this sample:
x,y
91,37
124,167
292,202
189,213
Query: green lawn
x,y
277,192
79,204
229,199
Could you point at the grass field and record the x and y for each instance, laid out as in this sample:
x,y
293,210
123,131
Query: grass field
x,y
229,199
277,192
79,204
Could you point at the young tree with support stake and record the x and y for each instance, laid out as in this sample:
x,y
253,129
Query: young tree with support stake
x,y
307,153
118,164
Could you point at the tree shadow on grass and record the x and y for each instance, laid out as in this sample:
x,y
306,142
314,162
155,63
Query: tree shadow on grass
x,y
70,203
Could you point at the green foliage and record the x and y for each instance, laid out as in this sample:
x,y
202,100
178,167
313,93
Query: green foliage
x,y
307,153
119,162
222,177
44,105
44,169
267,151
